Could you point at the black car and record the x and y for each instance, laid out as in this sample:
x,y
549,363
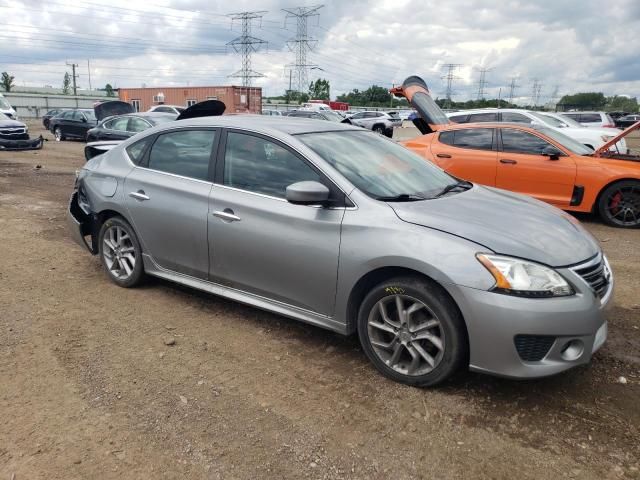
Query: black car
x,y
14,135
46,118
72,124
627,121
121,127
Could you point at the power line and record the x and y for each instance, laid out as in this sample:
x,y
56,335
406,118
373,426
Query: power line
x,y
246,45
302,43
450,77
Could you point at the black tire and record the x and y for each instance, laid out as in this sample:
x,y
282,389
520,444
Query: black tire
x,y
58,134
379,129
619,204
455,353
137,275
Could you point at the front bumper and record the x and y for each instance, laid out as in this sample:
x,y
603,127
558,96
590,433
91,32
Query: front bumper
x,y
575,326
22,144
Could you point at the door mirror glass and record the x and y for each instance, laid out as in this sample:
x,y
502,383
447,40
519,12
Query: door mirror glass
x,y
307,193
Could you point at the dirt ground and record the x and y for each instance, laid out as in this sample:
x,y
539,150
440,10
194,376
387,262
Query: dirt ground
x,y
89,389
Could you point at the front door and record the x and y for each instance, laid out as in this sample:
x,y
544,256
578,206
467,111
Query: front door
x,y
523,168
168,200
262,244
467,153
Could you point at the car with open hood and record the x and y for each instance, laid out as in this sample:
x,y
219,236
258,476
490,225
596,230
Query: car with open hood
x,y
14,135
344,229
531,159
121,127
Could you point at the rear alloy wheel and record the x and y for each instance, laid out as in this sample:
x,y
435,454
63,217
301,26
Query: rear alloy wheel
x,y
57,133
412,332
619,204
120,252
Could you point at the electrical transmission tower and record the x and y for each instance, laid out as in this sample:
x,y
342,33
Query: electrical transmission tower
x,y
301,43
482,83
450,77
535,91
555,94
246,45
512,89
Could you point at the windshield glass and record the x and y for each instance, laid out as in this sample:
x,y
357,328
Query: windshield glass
x,y
377,166
3,116
550,121
570,122
567,142
4,104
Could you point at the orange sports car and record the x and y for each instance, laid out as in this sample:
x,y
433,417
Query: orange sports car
x,y
532,160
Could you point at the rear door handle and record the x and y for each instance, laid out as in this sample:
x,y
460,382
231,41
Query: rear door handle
x,y
227,215
443,155
139,195
508,161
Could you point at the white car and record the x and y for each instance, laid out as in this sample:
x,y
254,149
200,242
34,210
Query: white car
x,y
7,109
591,119
175,109
591,137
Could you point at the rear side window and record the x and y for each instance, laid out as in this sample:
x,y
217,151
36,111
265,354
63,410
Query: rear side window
x,y
136,150
515,117
447,138
476,138
590,118
186,153
118,124
483,117
261,166
459,118
137,124
516,141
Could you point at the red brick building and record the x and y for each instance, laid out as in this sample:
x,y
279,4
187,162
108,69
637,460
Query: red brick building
x,y
236,99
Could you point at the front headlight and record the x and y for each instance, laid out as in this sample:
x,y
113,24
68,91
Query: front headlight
x,y
524,279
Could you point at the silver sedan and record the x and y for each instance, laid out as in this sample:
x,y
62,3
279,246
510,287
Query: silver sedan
x,y
344,229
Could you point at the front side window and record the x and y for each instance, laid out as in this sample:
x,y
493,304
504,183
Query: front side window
x,y
483,117
476,138
515,117
261,166
377,166
186,153
459,118
517,141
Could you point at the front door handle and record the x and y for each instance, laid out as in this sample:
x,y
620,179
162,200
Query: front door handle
x,y
443,155
227,215
508,161
139,195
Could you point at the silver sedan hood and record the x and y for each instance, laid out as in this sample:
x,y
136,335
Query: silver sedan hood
x,y
506,223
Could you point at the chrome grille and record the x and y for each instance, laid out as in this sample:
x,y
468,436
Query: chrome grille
x,y
597,275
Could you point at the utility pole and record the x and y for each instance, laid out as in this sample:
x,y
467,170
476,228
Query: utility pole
x,y
482,83
73,66
450,77
301,43
89,72
512,89
246,45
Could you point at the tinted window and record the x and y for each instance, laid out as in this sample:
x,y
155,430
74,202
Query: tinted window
x,y
136,150
575,116
483,117
185,153
590,118
258,165
447,138
77,116
137,124
516,141
358,115
459,118
515,117
477,138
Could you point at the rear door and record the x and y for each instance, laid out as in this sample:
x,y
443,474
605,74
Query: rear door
x,y
167,196
523,168
468,153
259,242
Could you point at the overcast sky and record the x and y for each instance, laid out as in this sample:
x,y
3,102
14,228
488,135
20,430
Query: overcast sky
x,y
567,45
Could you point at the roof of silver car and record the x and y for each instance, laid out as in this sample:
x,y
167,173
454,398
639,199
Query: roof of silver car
x,y
285,124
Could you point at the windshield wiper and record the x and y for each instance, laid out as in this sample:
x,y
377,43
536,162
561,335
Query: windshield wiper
x,y
452,186
402,197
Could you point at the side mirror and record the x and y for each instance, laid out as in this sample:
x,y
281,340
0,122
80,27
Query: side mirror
x,y
552,153
84,120
307,193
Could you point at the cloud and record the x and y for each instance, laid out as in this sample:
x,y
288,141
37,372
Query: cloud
x,y
570,45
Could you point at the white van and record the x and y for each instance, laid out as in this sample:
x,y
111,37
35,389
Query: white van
x,y
7,109
316,107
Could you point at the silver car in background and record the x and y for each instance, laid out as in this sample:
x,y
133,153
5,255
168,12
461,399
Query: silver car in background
x,y
380,122
344,229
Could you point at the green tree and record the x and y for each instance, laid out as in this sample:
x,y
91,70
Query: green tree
x,y
66,84
7,81
583,101
292,96
622,104
374,96
320,89
109,89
